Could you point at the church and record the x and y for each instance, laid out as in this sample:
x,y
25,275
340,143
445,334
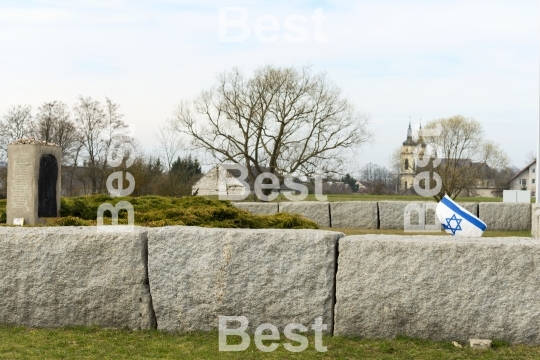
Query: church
x,y
408,169
408,166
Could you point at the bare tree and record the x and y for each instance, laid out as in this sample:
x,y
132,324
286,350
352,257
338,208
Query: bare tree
x,y
280,120
53,124
16,124
116,132
170,146
100,129
530,156
91,123
466,157
378,179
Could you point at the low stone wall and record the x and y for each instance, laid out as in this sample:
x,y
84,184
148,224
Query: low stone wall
x,y
438,288
375,286
259,208
354,214
506,216
390,214
74,276
275,276
316,211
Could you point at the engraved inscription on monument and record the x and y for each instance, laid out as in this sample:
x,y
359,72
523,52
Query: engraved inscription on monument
x,y
21,182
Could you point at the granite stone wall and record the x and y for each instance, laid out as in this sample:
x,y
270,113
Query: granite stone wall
x,y
506,216
438,288
274,276
74,276
183,278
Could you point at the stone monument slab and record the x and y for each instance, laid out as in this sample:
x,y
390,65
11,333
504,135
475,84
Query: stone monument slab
x,y
33,181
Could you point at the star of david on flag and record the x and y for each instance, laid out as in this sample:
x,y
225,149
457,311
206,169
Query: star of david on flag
x,y
458,221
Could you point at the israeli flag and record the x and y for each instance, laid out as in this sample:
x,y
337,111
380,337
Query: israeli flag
x,y
458,221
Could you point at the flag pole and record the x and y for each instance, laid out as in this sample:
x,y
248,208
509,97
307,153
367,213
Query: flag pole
x,y
537,192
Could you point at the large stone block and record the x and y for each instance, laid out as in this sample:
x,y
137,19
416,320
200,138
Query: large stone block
x,y
276,276
74,276
316,211
439,288
535,220
354,214
506,216
391,214
259,208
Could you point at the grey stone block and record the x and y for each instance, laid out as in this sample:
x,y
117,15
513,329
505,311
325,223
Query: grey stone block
x,y
258,208
506,216
535,217
439,288
391,214
276,276
316,211
74,276
354,214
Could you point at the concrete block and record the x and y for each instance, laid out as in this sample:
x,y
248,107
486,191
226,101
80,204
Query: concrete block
x,y
438,288
259,208
535,223
317,211
354,214
276,276
74,276
391,214
506,216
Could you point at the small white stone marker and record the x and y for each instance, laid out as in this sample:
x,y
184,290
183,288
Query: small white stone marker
x,y
18,221
480,344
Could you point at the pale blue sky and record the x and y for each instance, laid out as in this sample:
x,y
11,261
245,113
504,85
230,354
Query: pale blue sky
x,y
394,59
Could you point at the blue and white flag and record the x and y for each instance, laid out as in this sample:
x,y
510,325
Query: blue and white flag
x,y
458,221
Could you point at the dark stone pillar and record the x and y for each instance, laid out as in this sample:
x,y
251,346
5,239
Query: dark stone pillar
x,y
48,175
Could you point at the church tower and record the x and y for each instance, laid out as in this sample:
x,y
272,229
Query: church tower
x,y
408,165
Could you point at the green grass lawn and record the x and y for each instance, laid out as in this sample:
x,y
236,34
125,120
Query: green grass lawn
x,y
95,343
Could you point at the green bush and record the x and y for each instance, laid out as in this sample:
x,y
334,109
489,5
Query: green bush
x,y
155,211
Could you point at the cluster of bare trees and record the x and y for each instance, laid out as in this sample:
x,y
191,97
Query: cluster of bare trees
x,y
87,133
287,121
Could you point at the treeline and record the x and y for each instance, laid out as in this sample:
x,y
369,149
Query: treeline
x,y
88,132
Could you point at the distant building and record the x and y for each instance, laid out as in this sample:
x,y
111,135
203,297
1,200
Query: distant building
x,y
408,165
223,181
525,179
408,170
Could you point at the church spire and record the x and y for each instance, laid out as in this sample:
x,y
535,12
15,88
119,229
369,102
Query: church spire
x,y
409,140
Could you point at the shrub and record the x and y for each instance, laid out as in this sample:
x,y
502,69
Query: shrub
x,y
155,211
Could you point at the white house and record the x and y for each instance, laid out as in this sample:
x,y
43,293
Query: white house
x,y
219,181
525,179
